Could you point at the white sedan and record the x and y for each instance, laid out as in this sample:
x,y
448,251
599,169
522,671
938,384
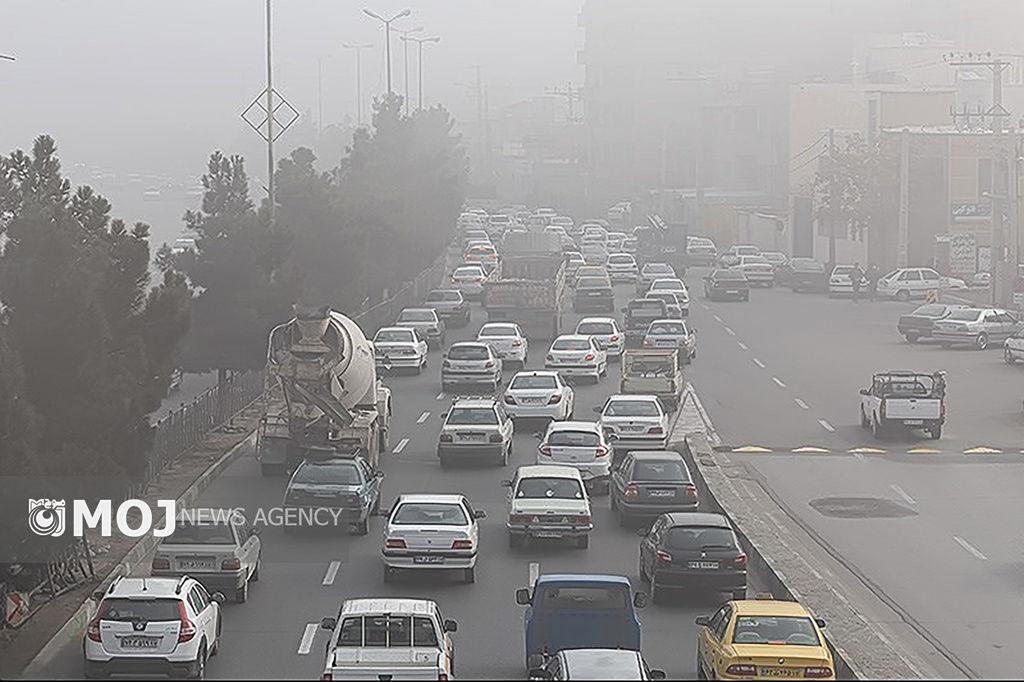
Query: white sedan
x,y
605,331
400,347
428,531
634,422
506,340
575,355
469,279
539,394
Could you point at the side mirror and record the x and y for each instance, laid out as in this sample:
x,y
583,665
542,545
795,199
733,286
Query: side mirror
x,y
640,600
642,531
451,626
597,410
523,596
479,514
378,474
538,435
702,620
820,622
98,595
217,597
535,662
443,415
506,484
328,624
865,391
655,674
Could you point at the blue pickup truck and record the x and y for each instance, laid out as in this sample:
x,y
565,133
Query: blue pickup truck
x,y
580,611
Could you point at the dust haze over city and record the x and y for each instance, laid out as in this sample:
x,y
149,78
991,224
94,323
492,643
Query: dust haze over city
x,y
691,327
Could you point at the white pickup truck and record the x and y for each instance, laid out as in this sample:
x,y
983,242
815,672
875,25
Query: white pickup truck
x,y
389,639
907,399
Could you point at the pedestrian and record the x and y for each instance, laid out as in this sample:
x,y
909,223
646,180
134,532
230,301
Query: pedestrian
x,y
856,275
873,275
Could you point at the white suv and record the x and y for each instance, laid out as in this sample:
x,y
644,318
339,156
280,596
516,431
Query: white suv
x,y
153,626
475,428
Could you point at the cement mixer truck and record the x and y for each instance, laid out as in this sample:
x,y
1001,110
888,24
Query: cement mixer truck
x,y
333,401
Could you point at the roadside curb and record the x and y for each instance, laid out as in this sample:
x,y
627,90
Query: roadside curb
x,y
74,628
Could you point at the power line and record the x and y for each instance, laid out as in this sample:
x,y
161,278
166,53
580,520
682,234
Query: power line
x,y
809,147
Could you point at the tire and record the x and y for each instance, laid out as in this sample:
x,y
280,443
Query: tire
x,y
936,432
200,664
419,368
376,506
655,592
902,295
876,429
911,337
255,577
242,593
515,540
864,421
469,575
583,542
1008,356
643,573
981,341
363,527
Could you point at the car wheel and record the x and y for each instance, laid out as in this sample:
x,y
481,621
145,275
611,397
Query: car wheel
x,y
242,593
936,432
655,592
362,527
376,506
911,337
255,577
864,421
981,342
902,295
199,667
640,569
469,575
583,542
876,429
1008,356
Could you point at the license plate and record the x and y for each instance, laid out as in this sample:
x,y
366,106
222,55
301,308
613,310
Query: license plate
x,y
428,559
532,401
732,291
779,672
662,493
913,422
140,642
633,429
474,437
547,534
707,565
194,564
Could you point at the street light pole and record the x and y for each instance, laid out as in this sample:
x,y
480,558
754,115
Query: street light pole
x,y
270,120
387,36
420,41
359,76
405,58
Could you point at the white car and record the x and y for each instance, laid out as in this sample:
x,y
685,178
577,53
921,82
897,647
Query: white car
x,y
605,331
562,221
906,283
840,283
669,284
651,272
475,429
430,532
594,253
758,270
153,626
470,362
634,422
506,340
469,279
677,302
399,347
581,445
573,355
1013,348
548,501
622,267
539,394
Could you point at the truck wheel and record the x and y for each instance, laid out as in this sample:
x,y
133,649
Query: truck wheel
x,y
362,527
981,342
936,432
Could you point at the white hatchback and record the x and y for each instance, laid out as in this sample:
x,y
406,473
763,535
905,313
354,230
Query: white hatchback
x,y
581,445
507,341
605,331
469,279
622,267
634,422
399,347
539,394
431,532
574,355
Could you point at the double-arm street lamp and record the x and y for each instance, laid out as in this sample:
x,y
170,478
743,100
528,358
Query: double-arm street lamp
x,y
405,57
387,36
420,41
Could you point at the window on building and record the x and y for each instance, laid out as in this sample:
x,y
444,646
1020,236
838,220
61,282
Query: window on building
x,y
984,176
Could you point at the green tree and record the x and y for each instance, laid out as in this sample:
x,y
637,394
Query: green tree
x,y
18,421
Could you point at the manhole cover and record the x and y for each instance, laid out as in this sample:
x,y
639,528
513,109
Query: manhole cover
x,y
860,508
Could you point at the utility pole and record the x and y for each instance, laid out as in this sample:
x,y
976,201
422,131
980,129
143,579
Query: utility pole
x,y
270,122
571,95
419,62
903,229
387,37
359,74
405,57
832,200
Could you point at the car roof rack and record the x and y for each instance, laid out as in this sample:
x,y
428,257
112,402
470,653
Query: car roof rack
x,y
114,583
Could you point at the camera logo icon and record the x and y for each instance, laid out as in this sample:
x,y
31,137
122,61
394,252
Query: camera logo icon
x,y
46,517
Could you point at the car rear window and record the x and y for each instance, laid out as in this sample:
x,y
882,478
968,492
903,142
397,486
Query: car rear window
x,y
435,296
416,316
618,259
528,382
806,265
791,630
139,609
964,315
592,282
208,533
660,471
395,336
632,408
468,272
549,488
469,353
331,474
574,439
729,275
498,330
657,269
472,416
595,328
571,344
645,308
667,328
429,513
930,309
575,598
387,630
698,537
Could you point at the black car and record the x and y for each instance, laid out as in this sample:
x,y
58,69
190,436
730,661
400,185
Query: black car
x,y
333,490
802,274
918,324
594,664
649,483
638,315
725,284
594,293
693,550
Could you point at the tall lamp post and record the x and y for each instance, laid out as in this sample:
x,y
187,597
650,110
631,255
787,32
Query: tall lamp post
x,y
420,41
7,57
387,36
359,75
405,58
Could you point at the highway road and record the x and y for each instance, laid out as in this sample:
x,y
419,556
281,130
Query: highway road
x,y
936,528
306,577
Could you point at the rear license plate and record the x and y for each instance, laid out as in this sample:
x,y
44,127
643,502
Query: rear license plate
x,y
662,493
194,564
428,559
633,429
532,401
732,291
708,565
140,642
547,534
913,422
779,672
475,437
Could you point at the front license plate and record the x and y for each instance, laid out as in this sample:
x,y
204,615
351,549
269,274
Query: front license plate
x,y
547,534
428,559
779,672
707,565
140,642
913,422
662,493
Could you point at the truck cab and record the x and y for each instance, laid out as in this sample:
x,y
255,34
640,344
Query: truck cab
x,y
904,399
574,611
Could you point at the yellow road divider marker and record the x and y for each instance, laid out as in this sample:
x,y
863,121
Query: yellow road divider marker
x,y
867,451
751,448
980,450
810,448
924,451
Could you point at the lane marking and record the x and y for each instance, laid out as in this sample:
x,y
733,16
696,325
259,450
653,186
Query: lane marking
x,y
903,493
869,451
751,448
401,446
307,638
981,450
534,573
825,425
966,545
332,573
743,345
439,396
705,306
717,318
423,417
758,363
778,382
924,451
729,331
811,448
801,403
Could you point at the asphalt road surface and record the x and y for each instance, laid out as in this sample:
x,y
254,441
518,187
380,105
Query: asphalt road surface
x,y
936,528
306,577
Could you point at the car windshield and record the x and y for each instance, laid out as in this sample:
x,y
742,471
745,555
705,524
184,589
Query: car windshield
x,y
965,315
571,344
557,488
143,610
574,439
672,284
699,537
595,328
645,308
395,336
468,272
649,367
666,296
472,416
200,534
473,352
930,310
729,275
667,470
342,473
592,282
775,630
533,382
416,316
632,408
667,328
498,330
429,514
580,598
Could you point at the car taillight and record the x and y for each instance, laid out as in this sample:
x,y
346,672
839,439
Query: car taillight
x,y
664,557
187,629
509,400
817,673
446,438
738,669
588,357
230,565
550,358
655,430
545,449
942,409
690,492
160,564
582,518
394,543
480,279
648,341
454,281
446,364
519,518
554,399
601,451
740,560
462,544
614,338
442,676
93,630
327,676
631,491
494,438
516,343
489,364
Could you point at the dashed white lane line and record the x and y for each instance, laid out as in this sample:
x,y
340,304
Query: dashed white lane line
x,y
778,382
758,363
332,573
705,306
439,396
307,638
401,446
966,545
729,331
423,417
801,403
825,425
743,345
717,318
902,493
534,573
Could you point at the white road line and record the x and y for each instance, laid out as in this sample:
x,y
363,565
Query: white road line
x,y
534,573
423,417
717,318
825,425
729,331
705,306
307,638
902,493
332,573
778,382
743,345
801,403
439,396
401,446
758,363
966,545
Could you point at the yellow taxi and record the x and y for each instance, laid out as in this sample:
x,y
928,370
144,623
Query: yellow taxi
x,y
762,639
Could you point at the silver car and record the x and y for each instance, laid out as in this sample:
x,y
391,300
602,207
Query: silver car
x,y
427,531
677,302
650,272
426,322
451,306
470,362
977,327
622,267
672,334
469,279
